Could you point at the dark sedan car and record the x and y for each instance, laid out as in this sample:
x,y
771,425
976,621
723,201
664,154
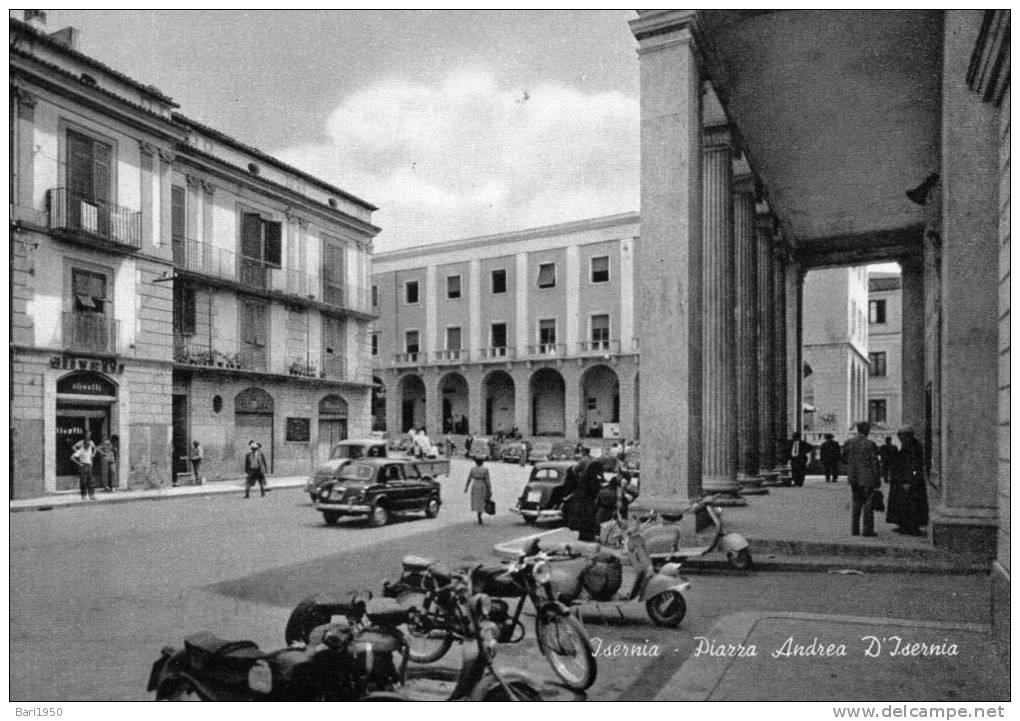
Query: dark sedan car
x,y
542,499
377,488
563,451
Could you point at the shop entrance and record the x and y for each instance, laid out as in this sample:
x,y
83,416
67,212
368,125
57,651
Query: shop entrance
x,y
84,401
332,424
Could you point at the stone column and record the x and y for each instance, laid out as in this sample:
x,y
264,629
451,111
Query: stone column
x,y
432,377
746,291
669,304
24,148
912,339
625,374
522,402
794,346
394,399
966,513
167,159
780,432
766,357
719,364
147,157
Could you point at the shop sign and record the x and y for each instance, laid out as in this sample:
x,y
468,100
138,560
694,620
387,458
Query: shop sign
x,y
71,363
86,384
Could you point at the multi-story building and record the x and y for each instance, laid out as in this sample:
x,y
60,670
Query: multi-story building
x,y
531,329
169,283
885,352
835,350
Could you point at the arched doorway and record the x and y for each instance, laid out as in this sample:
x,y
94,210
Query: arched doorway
x,y
453,389
548,398
600,398
253,421
85,400
412,402
498,392
378,404
332,424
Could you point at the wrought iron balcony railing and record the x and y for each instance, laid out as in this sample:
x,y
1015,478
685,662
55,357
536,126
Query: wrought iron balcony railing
x,y
91,332
196,351
91,219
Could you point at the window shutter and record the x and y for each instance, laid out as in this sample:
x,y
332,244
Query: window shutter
x,y
79,166
177,212
251,236
259,315
101,172
188,311
274,243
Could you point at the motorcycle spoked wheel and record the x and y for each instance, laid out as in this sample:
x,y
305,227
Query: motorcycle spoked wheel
x,y
565,645
179,691
424,644
521,690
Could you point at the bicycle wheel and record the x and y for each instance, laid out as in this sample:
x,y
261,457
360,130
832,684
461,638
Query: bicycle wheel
x,y
565,645
427,641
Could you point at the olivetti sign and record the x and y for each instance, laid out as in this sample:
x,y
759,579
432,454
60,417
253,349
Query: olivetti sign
x,y
71,363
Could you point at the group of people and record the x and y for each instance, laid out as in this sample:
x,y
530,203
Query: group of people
x,y
97,465
588,502
867,466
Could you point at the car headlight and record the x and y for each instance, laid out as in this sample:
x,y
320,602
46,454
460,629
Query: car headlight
x,y
260,677
324,494
541,572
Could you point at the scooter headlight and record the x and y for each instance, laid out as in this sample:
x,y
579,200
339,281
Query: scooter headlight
x,y
542,572
260,677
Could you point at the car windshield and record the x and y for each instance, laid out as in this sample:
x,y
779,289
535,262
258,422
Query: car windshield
x,y
357,472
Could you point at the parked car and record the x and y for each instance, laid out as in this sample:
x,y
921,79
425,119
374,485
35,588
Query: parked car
x,y
540,451
378,488
563,451
511,452
485,447
357,448
542,499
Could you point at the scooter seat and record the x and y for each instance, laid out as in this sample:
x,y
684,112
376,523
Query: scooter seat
x,y
387,612
416,563
578,548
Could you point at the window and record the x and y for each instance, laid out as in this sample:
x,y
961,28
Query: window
x,y
498,335
261,239
453,339
184,309
299,430
499,281
547,332
375,344
375,296
600,332
411,292
89,290
547,275
877,365
253,323
411,342
453,286
88,169
600,269
876,311
877,410
178,212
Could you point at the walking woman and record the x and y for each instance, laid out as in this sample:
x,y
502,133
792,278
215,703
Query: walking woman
x,y
481,487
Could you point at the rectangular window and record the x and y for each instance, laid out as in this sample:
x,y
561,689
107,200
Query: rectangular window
x,y
876,311
375,344
253,323
600,332
89,164
375,296
877,410
498,335
877,365
499,281
184,309
453,286
299,430
600,269
411,342
411,292
89,290
547,331
547,275
453,339
178,212
261,239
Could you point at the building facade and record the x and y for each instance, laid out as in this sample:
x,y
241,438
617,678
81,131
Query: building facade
x,y
885,352
169,283
836,338
533,330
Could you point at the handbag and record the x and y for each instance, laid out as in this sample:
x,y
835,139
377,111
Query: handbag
x,y
490,508
877,500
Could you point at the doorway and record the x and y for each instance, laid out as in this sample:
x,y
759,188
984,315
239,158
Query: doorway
x,y
179,419
72,421
332,425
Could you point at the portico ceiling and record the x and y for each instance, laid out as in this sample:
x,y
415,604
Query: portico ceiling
x,y
839,114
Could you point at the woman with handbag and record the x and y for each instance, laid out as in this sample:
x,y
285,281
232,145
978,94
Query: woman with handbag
x,y
481,489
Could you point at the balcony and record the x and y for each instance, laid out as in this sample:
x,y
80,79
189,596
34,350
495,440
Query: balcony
x,y
91,333
497,353
452,356
94,222
227,355
599,347
408,359
548,349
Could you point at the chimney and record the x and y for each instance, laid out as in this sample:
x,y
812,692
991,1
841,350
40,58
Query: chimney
x,y
68,37
37,19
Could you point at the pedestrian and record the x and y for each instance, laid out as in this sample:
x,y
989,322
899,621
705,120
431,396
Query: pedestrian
x,y
887,453
467,445
107,458
84,451
197,454
829,452
862,473
481,487
255,469
494,447
908,493
525,450
607,502
799,451
581,489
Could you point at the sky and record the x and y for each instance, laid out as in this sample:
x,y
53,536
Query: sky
x,y
454,123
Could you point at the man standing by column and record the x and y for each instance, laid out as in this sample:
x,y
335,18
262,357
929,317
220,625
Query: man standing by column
x,y
861,456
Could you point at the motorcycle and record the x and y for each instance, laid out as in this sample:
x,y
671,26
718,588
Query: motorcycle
x,y
561,637
347,661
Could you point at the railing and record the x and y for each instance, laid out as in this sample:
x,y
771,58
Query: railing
x,y
547,349
92,332
205,258
191,350
449,356
599,346
94,218
497,353
402,359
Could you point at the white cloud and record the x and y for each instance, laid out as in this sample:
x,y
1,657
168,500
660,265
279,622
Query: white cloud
x,y
468,156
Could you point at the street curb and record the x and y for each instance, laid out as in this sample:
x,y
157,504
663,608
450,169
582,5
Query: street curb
x,y
848,566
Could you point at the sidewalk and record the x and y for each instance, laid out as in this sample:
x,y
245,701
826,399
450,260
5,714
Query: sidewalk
x,y
209,488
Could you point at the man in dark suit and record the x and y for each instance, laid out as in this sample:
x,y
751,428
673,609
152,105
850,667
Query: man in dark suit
x,y
255,469
799,451
829,453
861,456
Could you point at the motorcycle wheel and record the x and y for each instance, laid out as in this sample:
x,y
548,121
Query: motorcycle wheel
x,y
522,691
306,616
180,691
424,645
667,609
565,645
740,561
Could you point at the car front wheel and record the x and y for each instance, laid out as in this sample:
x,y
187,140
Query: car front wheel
x,y
379,516
432,508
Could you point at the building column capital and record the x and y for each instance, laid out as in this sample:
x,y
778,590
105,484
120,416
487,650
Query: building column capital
x,y
147,149
193,181
167,156
24,97
718,138
208,187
